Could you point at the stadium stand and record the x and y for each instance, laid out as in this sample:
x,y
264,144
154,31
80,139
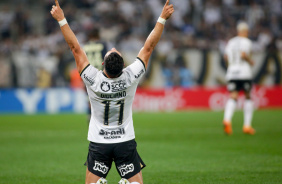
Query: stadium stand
x,y
34,54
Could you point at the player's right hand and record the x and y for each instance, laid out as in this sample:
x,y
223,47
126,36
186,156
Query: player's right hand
x,y
167,10
56,12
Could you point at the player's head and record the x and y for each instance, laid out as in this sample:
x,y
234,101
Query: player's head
x,y
113,63
242,29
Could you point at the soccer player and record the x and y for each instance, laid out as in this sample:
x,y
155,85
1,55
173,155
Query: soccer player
x,y
239,77
95,49
111,92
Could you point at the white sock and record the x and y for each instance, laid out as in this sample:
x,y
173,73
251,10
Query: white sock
x,y
134,182
229,109
248,112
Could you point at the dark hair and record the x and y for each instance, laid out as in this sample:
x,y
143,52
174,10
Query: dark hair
x,y
114,64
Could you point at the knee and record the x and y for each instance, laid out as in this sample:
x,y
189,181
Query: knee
x,y
248,96
234,95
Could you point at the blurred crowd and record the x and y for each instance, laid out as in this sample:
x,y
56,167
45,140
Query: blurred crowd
x,y
33,52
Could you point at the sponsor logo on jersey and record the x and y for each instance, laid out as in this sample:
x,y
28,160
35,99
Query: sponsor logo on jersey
x,y
125,169
88,79
105,86
115,95
118,86
101,167
139,74
114,134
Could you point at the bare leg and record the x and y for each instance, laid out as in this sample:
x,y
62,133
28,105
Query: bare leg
x,y
230,106
137,178
229,111
90,177
234,95
248,114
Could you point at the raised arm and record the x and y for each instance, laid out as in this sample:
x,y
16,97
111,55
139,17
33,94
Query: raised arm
x,y
155,35
78,53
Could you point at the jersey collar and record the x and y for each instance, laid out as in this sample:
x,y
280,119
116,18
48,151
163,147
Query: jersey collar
x,y
114,77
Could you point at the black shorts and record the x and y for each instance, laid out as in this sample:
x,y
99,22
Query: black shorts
x,y
238,85
127,160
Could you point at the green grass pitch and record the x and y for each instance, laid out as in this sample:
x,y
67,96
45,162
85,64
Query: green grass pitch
x,y
179,148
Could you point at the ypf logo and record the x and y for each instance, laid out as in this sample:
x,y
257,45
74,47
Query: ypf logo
x,y
105,86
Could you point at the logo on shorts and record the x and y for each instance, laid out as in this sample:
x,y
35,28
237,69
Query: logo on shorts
x,y
101,167
105,86
125,169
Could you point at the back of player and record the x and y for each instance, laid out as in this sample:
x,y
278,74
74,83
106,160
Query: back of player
x,y
238,68
111,103
111,132
239,77
111,93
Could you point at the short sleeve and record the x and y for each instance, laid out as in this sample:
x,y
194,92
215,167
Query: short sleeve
x,y
88,75
135,71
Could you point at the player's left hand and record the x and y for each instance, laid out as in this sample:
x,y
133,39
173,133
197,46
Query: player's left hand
x,y
167,10
56,12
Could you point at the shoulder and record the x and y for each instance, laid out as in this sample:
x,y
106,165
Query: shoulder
x,y
233,39
88,74
89,69
135,71
137,64
247,42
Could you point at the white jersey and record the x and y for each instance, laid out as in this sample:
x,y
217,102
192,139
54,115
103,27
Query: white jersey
x,y
111,102
238,68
